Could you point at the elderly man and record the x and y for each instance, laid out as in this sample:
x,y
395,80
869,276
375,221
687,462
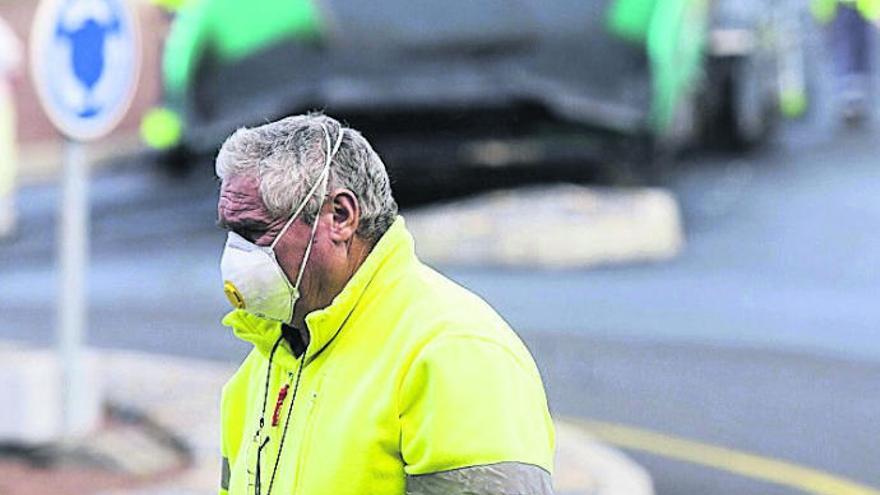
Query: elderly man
x,y
371,373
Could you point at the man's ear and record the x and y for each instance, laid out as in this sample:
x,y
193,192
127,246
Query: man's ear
x,y
346,215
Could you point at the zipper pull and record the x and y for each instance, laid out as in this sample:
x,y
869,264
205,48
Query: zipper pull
x,y
282,394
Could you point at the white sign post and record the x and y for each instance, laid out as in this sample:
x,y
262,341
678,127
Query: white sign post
x,y
85,62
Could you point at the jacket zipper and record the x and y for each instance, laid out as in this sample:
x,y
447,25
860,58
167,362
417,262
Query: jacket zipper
x,y
307,433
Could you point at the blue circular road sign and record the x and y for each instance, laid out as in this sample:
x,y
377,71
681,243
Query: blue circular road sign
x,y
85,62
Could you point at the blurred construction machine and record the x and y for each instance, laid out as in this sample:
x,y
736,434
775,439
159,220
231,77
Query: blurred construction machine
x,y
445,86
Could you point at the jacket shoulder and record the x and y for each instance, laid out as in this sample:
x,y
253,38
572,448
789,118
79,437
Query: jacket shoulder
x,y
443,308
472,399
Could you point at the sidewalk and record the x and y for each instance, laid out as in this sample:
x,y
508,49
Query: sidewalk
x,y
181,395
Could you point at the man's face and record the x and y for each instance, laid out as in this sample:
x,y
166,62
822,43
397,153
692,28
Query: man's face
x,y
241,210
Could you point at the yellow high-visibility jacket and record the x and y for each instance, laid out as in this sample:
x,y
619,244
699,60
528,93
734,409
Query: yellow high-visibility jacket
x,y
406,373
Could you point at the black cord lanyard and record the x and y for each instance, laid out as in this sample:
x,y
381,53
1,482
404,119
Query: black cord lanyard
x,y
258,481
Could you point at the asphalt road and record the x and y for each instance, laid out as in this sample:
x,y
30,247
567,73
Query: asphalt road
x,y
762,337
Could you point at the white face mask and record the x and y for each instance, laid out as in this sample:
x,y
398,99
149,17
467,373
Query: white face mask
x,y
252,277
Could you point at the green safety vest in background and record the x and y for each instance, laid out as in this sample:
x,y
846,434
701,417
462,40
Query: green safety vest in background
x,y
825,10
674,35
406,373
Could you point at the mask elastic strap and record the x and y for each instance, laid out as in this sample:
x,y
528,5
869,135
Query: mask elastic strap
x,y
302,266
299,209
325,174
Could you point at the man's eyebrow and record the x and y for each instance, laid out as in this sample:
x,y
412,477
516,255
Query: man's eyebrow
x,y
246,224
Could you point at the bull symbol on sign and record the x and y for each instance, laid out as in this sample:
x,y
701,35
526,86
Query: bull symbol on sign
x,y
86,27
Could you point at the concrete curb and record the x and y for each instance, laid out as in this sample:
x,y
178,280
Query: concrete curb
x,y
182,395
563,226
582,461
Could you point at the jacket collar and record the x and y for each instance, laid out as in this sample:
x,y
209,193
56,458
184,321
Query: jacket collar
x,y
394,251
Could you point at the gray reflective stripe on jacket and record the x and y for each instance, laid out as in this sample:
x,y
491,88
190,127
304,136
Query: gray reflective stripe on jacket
x,y
505,478
224,474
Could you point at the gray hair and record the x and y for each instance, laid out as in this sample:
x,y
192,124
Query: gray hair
x,y
287,157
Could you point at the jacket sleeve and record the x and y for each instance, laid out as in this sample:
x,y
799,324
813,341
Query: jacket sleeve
x,y
225,471
224,476
474,413
505,478
232,414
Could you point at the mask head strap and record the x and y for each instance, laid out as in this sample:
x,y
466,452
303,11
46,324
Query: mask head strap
x,y
322,181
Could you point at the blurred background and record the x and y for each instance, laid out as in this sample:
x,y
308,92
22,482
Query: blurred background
x,y
674,202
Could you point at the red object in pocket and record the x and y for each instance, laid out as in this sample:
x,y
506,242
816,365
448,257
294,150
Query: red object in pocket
x,y
282,394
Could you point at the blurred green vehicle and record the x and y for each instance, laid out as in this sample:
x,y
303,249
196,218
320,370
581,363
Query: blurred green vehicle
x,y
442,84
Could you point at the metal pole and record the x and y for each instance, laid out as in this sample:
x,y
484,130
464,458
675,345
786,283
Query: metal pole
x,y
73,255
